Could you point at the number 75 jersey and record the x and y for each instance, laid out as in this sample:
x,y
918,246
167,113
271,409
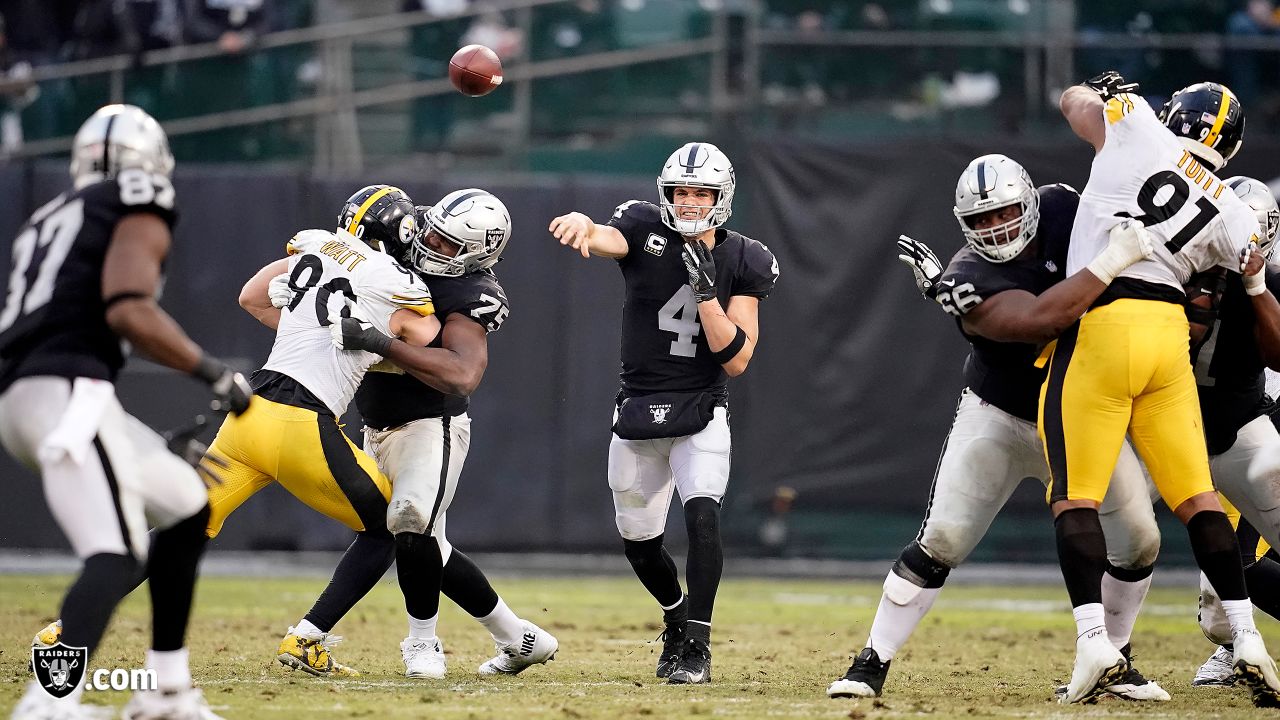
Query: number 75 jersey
x,y
334,274
1145,172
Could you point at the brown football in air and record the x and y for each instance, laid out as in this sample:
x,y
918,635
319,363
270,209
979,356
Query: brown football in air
x,y
475,70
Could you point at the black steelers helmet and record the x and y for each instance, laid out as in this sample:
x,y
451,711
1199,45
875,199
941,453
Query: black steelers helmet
x,y
1209,120
383,217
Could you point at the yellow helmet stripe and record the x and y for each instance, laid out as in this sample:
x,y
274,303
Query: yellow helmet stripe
x,y
364,207
1212,137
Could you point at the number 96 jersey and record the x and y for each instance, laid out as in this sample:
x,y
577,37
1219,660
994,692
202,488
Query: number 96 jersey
x,y
663,347
335,274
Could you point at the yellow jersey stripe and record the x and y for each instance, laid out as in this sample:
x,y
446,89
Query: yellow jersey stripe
x,y
364,207
424,308
1212,138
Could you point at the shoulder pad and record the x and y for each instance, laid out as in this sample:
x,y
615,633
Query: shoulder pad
x,y
759,269
968,280
637,211
307,240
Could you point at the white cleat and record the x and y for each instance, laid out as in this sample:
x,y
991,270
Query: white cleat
x,y
1255,669
186,704
536,646
1098,665
36,704
423,658
1217,671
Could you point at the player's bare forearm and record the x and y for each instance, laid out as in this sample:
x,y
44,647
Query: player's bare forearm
x,y
1266,328
1019,316
577,231
154,333
457,367
1083,109
255,298
722,328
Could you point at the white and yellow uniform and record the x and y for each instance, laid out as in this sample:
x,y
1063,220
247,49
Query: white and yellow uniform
x,y
290,432
1124,367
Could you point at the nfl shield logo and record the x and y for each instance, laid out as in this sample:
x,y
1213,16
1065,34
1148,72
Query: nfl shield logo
x,y
59,669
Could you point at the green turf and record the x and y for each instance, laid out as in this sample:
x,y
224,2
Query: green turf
x,y
983,652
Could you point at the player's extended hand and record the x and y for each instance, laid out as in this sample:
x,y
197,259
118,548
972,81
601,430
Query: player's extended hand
x,y
1110,84
702,270
923,263
574,230
1251,265
1129,242
279,291
353,334
231,392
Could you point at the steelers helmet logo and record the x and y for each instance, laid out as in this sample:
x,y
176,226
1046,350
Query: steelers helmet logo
x,y
407,228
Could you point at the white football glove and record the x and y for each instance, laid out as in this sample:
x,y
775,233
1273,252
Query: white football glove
x,y
279,291
923,263
1129,243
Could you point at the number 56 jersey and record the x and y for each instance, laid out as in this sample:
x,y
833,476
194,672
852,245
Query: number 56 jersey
x,y
331,274
1144,172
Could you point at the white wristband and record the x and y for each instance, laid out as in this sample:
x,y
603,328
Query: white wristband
x,y
1109,263
1256,284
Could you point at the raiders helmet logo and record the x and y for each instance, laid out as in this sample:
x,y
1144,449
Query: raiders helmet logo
x,y
659,413
59,669
407,227
494,236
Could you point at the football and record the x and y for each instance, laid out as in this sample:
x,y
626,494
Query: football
x,y
475,70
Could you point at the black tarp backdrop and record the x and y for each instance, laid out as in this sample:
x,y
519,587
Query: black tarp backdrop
x,y
848,398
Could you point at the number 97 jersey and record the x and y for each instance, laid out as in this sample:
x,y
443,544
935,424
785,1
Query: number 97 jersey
x,y
332,275
1145,172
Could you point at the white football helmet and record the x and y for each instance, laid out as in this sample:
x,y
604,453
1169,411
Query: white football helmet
x,y
696,165
115,138
1258,196
474,220
988,183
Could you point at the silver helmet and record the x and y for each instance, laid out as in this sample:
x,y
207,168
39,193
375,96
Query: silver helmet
x,y
699,165
1258,196
115,138
474,220
989,183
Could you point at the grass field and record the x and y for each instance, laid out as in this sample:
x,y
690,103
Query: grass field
x,y
985,652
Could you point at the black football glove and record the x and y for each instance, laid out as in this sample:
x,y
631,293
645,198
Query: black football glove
x,y
1110,84
352,334
702,270
923,263
231,392
184,443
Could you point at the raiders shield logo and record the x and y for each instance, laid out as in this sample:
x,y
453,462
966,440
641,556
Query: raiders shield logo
x,y
59,669
659,413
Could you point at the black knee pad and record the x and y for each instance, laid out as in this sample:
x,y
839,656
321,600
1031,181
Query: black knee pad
x,y
917,567
702,519
643,552
1130,575
1210,532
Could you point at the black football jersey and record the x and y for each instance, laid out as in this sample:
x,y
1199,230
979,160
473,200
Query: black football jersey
x,y
1004,373
54,319
663,347
1228,366
387,400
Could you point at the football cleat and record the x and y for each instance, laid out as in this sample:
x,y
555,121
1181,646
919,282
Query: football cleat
x,y
536,646
312,654
1098,664
672,641
864,679
1255,669
38,704
1133,685
423,658
186,704
695,663
1217,671
46,638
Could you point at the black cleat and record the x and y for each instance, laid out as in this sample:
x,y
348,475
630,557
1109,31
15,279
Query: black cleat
x,y
672,641
864,679
695,663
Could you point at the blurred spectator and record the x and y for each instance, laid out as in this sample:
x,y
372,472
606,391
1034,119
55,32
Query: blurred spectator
x,y
432,45
774,533
16,96
233,24
492,30
1246,69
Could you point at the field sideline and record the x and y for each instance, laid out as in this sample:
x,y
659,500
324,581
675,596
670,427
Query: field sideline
x,y
985,652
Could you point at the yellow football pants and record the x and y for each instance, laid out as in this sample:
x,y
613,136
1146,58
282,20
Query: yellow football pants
x,y
1123,369
308,454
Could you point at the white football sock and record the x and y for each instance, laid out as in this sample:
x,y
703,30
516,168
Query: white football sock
x,y
894,623
504,625
306,627
172,669
422,629
1089,616
1122,600
1239,614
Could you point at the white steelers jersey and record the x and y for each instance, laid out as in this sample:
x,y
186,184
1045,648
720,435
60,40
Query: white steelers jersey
x,y
1145,172
332,273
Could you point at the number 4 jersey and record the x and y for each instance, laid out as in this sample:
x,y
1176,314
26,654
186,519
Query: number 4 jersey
x,y
663,346
54,318
331,274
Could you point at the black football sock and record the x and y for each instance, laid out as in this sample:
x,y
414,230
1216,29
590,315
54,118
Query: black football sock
x,y
1082,553
420,570
656,570
1263,581
1218,553
361,567
706,559
87,607
465,584
171,571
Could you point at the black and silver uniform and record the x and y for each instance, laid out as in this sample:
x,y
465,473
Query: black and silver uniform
x,y
388,400
1229,366
1004,373
54,318
663,347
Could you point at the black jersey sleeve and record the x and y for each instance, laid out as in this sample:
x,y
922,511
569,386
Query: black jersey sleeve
x,y
1273,281
635,219
759,271
1058,205
134,191
968,280
477,296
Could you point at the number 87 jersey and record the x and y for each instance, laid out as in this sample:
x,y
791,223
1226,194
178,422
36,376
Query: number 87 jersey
x,y
334,274
1145,172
